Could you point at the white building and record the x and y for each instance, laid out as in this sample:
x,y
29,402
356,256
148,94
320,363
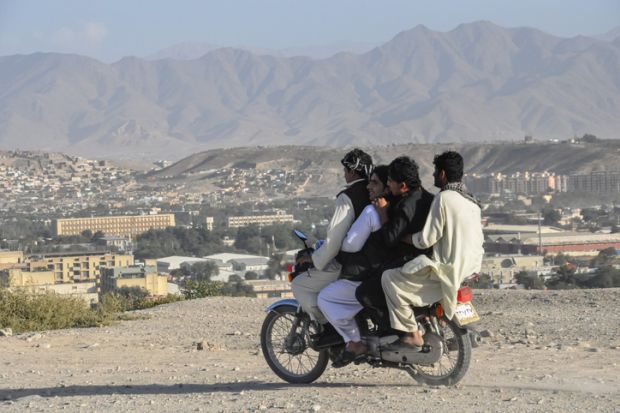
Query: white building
x,y
174,262
241,263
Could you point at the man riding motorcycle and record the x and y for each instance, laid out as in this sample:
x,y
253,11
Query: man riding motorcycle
x,y
410,203
453,229
292,352
350,203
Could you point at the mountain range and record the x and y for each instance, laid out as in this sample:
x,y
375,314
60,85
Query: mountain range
x,y
195,50
478,82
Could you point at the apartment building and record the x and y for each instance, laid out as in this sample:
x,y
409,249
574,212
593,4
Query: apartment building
x,y
532,183
567,242
77,266
602,182
123,225
260,220
145,277
42,281
22,277
9,259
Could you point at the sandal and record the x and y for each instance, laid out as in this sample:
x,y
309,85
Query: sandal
x,y
346,357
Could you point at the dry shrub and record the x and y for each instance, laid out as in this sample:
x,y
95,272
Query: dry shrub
x,y
22,311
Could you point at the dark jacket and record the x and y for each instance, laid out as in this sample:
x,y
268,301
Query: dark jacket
x,y
384,248
407,215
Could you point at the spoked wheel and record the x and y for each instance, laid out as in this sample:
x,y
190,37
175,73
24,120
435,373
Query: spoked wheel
x,y
284,340
454,361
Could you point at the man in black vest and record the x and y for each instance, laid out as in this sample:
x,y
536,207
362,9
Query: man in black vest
x,y
349,204
405,214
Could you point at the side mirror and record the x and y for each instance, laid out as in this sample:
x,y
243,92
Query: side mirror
x,y
300,235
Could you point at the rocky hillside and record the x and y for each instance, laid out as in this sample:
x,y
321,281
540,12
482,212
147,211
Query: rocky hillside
x,y
563,158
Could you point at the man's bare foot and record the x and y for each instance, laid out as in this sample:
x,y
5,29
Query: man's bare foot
x,y
356,347
353,351
413,339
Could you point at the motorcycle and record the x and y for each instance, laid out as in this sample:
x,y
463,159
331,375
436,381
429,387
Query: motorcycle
x,y
289,345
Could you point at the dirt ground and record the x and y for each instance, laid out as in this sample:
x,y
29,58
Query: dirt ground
x,y
548,351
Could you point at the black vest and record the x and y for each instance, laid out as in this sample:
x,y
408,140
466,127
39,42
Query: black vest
x,y
359,196
377,254
355,264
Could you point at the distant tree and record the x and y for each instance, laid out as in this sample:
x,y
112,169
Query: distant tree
x,y
608,254
606,277
196,242
564,278
551,216
251,275
200,289
132,292
274,266
238,289
517,220
605,257
203,270
126,298
531,281
280,235
4,279
562,259
589,138
592,214
248,239
87,234
97,235
183,271
263,240
484,281
234,278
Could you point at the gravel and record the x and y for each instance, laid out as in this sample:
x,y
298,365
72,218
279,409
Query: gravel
x,y
541,351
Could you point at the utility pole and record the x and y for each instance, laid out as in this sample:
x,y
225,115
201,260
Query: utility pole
x,y
539,235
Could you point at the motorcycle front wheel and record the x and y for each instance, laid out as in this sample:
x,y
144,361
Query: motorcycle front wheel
x,y
284,340
454,361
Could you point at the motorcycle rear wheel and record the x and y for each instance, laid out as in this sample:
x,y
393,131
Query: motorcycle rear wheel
x,y
287,352
454,362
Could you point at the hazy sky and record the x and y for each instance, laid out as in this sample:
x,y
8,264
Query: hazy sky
x,y
110,29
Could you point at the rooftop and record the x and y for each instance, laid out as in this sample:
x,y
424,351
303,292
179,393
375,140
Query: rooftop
x,y
225,257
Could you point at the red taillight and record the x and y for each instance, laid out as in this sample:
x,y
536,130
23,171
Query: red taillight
x,y
464,295
439,311
289,267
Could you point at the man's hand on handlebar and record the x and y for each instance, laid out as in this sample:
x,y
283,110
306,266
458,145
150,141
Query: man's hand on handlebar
x,y
303,259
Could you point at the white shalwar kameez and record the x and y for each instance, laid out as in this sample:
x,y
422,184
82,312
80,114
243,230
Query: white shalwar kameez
x,y
337,301
454,230
306,287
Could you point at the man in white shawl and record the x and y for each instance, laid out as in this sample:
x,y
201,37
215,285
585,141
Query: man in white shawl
x,y
454,231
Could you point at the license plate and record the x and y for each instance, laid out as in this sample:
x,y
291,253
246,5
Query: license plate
x,y
466,313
